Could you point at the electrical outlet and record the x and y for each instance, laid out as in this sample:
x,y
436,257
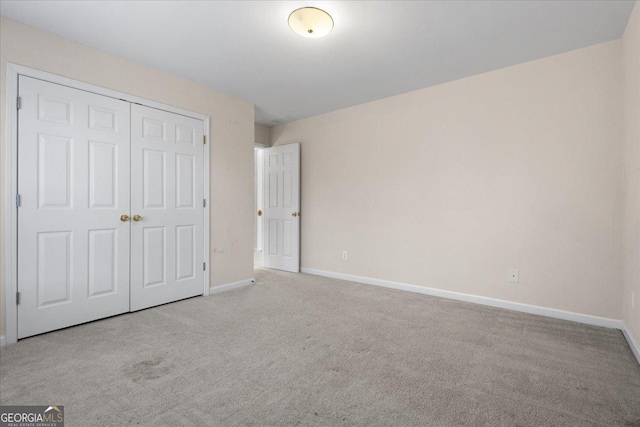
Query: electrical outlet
x,y
513,275
344,255
633,301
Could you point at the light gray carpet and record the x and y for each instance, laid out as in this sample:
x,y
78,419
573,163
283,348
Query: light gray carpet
x,y
304,350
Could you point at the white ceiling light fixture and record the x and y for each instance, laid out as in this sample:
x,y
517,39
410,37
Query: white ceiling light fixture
x,y
310,22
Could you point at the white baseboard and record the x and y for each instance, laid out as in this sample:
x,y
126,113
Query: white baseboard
x,y
3,340
492,302
230,286
635,347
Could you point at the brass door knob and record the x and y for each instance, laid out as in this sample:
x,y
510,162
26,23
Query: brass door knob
x,y
124,218
259,212
137,217
294,213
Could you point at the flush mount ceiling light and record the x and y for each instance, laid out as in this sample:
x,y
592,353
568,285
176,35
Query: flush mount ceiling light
x,y
311,22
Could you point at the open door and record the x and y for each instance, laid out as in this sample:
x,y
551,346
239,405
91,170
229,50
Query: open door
x,y
281,224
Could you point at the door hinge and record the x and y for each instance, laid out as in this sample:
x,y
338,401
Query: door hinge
x,y
204,266
17,200
204,203
204,139
18,103
17,298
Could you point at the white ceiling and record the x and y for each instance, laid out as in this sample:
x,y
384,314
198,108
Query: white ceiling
x,y
376,50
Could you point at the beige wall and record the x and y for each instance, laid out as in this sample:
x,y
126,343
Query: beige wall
x,y
231,133
262,134
631,55
450,186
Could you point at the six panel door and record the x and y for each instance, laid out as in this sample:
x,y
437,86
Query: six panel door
x,y
281,226
73,177
167,241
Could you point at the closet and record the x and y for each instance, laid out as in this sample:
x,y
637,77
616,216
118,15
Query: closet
x,y
110,206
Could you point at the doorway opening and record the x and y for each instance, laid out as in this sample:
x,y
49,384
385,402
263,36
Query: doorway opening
x,y
258,197
277,207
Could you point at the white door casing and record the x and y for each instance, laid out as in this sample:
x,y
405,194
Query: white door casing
x,y
73,180
281,243
167,163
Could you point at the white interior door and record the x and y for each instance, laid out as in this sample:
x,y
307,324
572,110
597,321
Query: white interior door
x,y
73,178
282,207
167,231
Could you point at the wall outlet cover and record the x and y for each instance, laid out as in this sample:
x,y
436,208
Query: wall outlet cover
x,y
514,275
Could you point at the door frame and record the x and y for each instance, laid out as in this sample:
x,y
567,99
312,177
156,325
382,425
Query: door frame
x,y
10,164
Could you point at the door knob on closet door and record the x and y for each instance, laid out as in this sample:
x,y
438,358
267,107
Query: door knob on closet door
x,y
124,218
137,217
294,213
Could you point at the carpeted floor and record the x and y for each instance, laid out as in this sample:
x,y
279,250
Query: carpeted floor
x,y
296,349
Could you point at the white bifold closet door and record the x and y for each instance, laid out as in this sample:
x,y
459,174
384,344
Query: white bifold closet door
x,y
73,180
167,231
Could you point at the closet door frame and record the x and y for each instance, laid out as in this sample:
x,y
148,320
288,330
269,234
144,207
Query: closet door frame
x,y
10,166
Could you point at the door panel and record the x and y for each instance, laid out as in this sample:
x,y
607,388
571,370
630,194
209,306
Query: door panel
x,y
54,265
54,172
282,206
185,252
73,177
154,179
154,255
103,175
103,263
185,177
167,158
